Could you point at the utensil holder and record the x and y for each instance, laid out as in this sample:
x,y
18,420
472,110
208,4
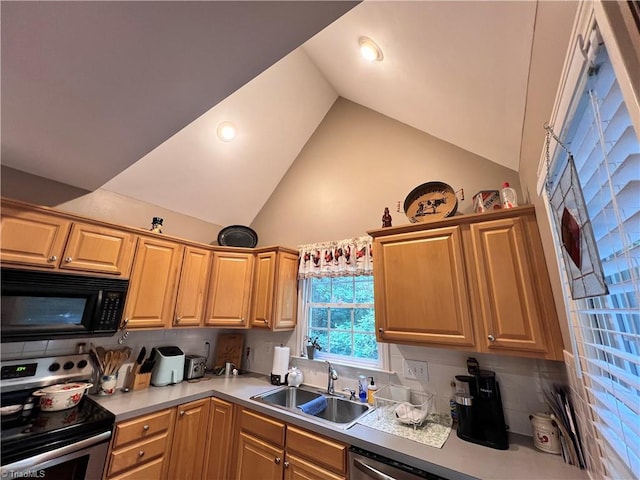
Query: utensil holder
x,y
141,381
107,384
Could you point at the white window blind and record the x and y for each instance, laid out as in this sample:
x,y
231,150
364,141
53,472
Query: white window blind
x,y
606,151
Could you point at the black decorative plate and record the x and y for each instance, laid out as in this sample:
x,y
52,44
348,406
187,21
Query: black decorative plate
x,y
430,201
237,236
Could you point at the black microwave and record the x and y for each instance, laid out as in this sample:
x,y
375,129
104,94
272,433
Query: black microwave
x,y
40,305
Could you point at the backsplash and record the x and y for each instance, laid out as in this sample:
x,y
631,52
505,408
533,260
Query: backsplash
x,y
521,380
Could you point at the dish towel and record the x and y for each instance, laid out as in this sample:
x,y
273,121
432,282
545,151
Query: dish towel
x,y
315,406
407,413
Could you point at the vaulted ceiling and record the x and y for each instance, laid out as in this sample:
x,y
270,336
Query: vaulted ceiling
x,y
127,96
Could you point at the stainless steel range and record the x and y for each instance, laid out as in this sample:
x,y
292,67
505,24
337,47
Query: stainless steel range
x,y
69,444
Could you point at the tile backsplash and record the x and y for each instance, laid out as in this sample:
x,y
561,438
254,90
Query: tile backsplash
x,y
521,380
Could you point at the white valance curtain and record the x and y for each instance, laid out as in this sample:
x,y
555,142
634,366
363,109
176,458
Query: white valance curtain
x,y
349,257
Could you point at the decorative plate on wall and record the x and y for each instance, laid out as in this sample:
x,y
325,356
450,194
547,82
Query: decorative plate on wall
x,y
430,201
237,236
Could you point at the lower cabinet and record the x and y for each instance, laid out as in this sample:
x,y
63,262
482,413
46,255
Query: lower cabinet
x,y
271,449
217,463
141,446
258,459
189,440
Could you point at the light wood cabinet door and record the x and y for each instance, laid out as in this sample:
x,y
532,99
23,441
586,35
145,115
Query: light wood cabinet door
x,y
275,291
93,248
219,441
32,238
189,438
258,459
297,468
153,285
263,288
508,276
420,286
286,295
229,290
192,287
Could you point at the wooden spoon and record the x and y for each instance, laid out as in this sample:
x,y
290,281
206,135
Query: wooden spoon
x,y
108,362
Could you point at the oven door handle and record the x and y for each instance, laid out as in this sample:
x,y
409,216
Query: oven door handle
x,y
369,470
46,456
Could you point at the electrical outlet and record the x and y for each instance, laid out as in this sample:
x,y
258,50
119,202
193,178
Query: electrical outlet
x,y
416,370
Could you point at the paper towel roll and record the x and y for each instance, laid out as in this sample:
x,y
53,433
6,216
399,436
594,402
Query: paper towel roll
x,y
280,361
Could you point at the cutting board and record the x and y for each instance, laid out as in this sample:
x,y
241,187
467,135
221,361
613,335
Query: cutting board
x,y
229,349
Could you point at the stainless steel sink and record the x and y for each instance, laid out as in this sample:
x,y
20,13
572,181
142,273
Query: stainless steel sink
x,y
288,397
340,412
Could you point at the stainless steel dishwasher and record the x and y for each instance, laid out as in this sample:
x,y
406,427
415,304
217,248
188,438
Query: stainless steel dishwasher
x,y
364,465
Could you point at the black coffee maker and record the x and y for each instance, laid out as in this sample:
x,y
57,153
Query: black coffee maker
x,y
479,408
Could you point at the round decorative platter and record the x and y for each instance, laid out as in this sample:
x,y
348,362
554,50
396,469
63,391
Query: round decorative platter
x,y
430,201
237,236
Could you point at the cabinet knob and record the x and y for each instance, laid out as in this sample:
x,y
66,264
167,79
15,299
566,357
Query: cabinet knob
x,y
145,427
68,259
141,453
266,321
177,320
53,258
181,413
491,338
381,330
277,460
286,464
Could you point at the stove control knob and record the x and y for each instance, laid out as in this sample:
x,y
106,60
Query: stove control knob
x,y
54,367
82,363
68,365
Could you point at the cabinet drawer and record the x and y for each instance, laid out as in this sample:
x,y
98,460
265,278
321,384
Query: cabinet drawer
x,y
138,453
142,427
266,428
151,470
321,450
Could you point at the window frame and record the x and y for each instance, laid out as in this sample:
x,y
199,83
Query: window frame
x,y
590,15
304,289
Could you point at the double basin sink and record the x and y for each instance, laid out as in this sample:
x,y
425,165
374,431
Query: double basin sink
x,y
339,412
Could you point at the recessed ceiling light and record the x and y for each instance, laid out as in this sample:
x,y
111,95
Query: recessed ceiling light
x,y
370,50
226,131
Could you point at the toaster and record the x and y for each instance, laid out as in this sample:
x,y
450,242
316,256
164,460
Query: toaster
x,y
194,366
169,366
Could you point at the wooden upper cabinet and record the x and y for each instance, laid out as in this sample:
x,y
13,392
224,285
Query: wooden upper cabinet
x,y
153,285
93,248
263,288
420,288
229,290
512,281
32,238
275,290
192,287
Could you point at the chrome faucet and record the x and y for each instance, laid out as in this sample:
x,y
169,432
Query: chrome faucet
x,y
332,375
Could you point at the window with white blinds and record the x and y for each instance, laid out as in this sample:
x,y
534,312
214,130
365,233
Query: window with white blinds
x,y
606,151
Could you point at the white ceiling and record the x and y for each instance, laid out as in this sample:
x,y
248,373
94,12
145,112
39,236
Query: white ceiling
x,y
455,69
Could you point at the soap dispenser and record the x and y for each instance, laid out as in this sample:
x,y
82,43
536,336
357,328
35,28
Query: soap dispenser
x,y
371,389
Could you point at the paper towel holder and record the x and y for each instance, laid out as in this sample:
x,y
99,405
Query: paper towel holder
x,y
280,368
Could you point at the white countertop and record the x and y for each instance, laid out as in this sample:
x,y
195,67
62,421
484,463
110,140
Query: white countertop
x,y
457,459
